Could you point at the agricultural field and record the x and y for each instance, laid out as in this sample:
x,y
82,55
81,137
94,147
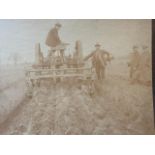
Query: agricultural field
x,y
116,107
12,89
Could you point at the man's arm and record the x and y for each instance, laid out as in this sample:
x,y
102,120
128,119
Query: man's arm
x,y
107,53
88,56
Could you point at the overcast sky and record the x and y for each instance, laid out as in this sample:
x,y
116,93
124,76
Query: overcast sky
x,y
116,36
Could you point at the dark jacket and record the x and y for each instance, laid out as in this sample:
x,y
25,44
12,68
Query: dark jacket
x,y
53,39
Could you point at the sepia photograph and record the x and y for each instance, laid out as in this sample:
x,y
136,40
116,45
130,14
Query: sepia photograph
x,y
76,77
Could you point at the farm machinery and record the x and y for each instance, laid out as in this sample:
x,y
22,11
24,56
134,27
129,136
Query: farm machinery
x,y
57,67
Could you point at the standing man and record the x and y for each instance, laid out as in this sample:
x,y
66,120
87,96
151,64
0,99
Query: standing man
x,y
134,63
99,60
145,66
146,56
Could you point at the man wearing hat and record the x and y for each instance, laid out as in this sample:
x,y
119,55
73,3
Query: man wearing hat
x,y
145,65
146,55
55,44
99,59
134,63
53,38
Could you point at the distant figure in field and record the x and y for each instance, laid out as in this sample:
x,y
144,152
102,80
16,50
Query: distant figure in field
x,y
145,66
99,60
140,66
134,62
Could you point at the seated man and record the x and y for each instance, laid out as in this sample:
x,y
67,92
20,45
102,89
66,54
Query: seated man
x,y
53,39
54,42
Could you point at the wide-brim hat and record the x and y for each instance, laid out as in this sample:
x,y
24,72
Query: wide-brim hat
x,y
58,24
97,45
135,46
144,47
